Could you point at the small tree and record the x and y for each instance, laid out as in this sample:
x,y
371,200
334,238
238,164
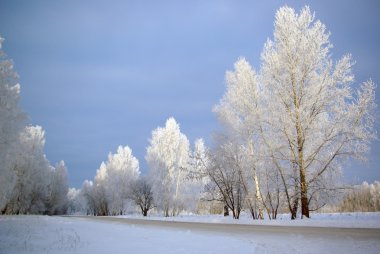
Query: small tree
x,y
57,202
141,193
114,178
227,181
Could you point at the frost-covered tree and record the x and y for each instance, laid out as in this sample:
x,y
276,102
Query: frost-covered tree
x,y
302,113
26,177
199,162
114,179
57,202
93,201
198,176
317,117
76,202
33,175
12,121
227,173
167,157
240,112
361,198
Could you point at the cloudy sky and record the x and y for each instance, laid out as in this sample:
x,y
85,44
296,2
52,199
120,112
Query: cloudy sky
x,y
98,74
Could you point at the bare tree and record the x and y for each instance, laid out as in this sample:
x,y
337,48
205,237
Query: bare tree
x,y
227,183
141,193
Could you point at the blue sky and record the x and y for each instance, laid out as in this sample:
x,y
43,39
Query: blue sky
x,y
98,74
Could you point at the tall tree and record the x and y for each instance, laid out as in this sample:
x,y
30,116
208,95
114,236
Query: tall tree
x,y
25,173
167,157
302,114
315,110
240,111
12,121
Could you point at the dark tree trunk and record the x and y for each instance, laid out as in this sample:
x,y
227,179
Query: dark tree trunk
x,y
252,210
304,199
237,214
294,209
226,211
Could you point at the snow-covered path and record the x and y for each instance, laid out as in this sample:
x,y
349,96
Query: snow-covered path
x,y
229,228
43,234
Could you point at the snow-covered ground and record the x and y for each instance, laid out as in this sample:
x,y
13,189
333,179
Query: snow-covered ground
x,y
343,220
43,234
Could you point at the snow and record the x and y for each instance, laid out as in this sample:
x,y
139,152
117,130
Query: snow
x,y
341,220
43,234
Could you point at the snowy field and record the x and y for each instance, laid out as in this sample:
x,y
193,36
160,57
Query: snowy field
x,y
43,234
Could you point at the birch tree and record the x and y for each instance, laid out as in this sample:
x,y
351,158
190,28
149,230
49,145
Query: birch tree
x,y
317,115
240,111
302,114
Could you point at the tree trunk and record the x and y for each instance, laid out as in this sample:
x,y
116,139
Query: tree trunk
x,y
226,212
252,210
259,200
294,209
233,214
304,199
301,165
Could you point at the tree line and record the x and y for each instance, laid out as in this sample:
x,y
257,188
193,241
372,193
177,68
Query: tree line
x,y
29,184
287,132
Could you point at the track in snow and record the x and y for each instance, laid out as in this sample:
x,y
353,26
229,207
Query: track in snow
x,y
357,233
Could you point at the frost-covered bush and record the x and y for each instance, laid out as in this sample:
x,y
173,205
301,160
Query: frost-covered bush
x,y
362,198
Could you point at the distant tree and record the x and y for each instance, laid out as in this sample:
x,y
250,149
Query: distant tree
x,y
198,178
141,193
114,179
92,201
361,198
167,156
77,203
57,202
